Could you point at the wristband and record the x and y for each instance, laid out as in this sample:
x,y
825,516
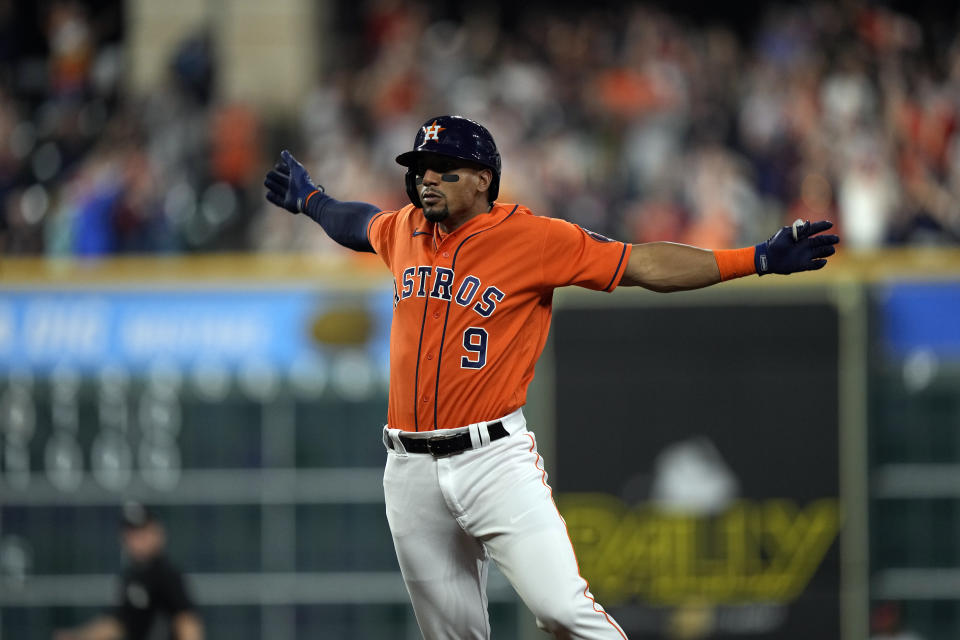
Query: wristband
x,y
735,263
307,201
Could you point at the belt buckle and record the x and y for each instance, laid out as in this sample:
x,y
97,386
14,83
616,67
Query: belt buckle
x,y
436,453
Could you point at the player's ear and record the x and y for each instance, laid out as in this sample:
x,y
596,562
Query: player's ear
x,y
484,178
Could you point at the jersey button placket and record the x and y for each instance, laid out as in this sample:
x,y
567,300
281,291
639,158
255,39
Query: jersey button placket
x,y
429,356
437,314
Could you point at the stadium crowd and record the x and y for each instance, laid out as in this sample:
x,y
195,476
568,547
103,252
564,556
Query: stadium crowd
x,y
635,123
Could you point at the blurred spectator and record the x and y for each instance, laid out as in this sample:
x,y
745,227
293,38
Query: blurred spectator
x,y
152,590
71,49
886,623
606,116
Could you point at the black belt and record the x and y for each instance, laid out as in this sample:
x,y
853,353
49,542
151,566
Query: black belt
x,y
440,446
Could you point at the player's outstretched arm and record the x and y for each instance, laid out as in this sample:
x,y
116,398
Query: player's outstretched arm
x,y
289,186
667,266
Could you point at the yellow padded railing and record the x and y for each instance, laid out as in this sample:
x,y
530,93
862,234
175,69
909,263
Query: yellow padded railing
x,y
351,270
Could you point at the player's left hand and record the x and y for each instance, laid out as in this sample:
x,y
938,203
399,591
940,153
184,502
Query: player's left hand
x,y
288,184
796,248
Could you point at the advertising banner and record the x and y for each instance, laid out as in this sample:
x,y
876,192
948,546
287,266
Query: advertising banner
x,y
697,453
89,330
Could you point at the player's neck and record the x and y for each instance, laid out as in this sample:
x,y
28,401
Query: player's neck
x,y
454,222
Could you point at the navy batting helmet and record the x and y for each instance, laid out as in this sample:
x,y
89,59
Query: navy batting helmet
x,y
454,137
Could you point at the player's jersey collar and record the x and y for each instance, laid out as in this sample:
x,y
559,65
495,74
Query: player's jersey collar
x,y
481,221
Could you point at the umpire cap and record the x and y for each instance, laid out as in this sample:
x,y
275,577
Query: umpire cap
x,y
134,515
453,137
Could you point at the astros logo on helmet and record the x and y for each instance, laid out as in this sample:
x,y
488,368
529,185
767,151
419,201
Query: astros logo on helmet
x,y
433,131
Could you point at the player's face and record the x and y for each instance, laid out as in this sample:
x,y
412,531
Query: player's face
x,y
450,191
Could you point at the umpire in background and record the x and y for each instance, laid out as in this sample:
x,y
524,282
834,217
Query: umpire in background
x,y
152,591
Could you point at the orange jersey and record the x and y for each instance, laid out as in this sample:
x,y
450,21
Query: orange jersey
x,y
472,308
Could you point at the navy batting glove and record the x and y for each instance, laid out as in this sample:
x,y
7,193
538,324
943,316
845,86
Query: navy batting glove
x,y
789,252
288,184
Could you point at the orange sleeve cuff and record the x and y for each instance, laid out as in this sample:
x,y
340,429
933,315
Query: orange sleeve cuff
x,y
735,263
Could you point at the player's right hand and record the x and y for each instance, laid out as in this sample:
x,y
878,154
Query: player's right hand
x,y
288,184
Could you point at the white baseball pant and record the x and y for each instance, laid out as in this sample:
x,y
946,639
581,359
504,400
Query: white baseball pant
x,y
450,515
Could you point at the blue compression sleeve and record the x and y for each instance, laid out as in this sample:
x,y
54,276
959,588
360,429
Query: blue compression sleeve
x,y
345,222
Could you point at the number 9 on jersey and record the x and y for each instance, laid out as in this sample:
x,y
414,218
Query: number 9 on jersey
x,y
475,342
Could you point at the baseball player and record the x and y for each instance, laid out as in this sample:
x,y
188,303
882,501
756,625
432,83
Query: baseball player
x,y
473,286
